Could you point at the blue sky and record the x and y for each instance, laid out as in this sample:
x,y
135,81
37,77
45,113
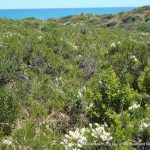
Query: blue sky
x,y
12,4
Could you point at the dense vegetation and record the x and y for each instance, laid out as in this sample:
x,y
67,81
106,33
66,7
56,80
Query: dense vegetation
x,y
69,82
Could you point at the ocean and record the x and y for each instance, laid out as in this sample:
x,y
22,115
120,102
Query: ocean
x,y
58,12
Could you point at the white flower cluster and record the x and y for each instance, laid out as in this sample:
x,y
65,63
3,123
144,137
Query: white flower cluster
x,y
134,58
114,45
78,139
41,36
12,34
144,34
100,82
144,124
134,106
80,56
75,140
100,133
58,79
7,141
119,42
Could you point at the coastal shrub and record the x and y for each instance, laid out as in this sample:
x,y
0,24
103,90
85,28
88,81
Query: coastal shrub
x,y
111,24
107,17
128,60
144,80
107,93
129,18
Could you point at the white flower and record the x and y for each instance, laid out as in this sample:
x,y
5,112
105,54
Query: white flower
x,y
90,125
56,79
75,139
7,142
144,33
67,136
70,144
84,88
40,38
134,58
79,145
119,42
91,105
83,130
100,81
99,132
113,45
96,124
134,106
79,94
143,125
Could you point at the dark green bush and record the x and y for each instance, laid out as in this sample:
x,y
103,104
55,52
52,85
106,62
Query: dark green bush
x,y
129,18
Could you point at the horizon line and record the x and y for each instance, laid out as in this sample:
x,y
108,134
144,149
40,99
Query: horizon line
x,y
72,7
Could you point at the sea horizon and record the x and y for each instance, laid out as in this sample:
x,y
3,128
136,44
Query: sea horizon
x,y
65,8
45,13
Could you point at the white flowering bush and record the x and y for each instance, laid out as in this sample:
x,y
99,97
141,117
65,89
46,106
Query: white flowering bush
x,y
82,138
100,134
75,139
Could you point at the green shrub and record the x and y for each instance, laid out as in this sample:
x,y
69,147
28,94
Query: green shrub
x,y
144,81
129,18
107,93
